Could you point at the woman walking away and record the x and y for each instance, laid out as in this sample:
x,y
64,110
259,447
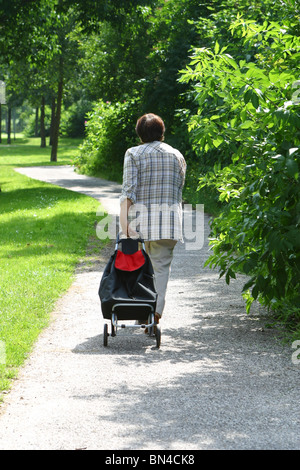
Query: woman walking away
x,y
151,199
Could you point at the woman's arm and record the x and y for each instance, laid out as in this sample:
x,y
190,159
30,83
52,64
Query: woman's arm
x,y
128,196
125,205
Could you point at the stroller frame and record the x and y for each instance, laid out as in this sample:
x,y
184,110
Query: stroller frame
x,y
153,329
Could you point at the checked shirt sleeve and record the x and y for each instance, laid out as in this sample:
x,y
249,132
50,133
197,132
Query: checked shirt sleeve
x,y
130,174
182,163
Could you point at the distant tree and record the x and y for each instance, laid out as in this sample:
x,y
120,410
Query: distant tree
x,y
39,34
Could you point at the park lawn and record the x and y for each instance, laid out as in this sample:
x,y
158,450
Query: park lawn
x,y
44,232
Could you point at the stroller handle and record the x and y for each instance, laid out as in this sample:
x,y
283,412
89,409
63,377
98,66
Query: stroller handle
x,y
121,240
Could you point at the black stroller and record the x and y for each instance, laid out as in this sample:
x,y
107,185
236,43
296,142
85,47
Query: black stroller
x,y
127,290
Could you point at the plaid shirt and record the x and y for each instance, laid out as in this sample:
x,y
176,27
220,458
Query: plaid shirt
x,y
153,179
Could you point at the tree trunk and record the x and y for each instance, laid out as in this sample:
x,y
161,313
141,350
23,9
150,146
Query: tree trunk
x,y
52,120
36,129
14,121
43,133
8,125
57,114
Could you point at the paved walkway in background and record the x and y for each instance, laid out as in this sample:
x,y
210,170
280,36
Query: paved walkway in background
x,y
219,381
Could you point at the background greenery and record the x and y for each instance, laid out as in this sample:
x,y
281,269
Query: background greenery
x,y
224,75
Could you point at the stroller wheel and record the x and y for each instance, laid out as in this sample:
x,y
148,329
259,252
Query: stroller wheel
x,y
158,336
105,334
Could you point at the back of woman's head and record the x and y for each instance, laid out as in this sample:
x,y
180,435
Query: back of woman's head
x,y
150,127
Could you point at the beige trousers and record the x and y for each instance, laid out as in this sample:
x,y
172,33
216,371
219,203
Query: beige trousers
x,y
161,255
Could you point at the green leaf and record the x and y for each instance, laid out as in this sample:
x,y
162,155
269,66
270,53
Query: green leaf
x,y
232,274
217,47
217,141
231,61
294,237
242,90
292,168
248,304
248,266
254,292
254,100
246,124
247,96
249,284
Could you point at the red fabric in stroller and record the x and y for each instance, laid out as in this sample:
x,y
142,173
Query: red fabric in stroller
x,y
127,283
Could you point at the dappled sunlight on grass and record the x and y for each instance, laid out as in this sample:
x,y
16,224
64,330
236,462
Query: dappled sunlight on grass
x,y
27,152
44,232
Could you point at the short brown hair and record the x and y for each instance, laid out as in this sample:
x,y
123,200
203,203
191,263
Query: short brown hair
x,y
150,127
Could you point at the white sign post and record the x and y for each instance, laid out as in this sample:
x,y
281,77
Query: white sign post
x,y
2,101
2,92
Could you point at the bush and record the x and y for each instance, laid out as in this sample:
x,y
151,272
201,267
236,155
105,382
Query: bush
x,y
73,119
110,130
248,113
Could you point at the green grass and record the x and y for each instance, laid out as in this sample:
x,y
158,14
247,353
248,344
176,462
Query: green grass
x,y
44,232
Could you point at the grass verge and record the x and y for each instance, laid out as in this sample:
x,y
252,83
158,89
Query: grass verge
x,y
44,232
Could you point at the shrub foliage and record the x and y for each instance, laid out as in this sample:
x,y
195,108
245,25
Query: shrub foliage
x,y
249,113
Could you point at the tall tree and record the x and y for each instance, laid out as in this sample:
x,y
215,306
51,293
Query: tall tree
x,y
40,33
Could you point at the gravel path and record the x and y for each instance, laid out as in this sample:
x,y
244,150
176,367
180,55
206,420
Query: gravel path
x,y
219,381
